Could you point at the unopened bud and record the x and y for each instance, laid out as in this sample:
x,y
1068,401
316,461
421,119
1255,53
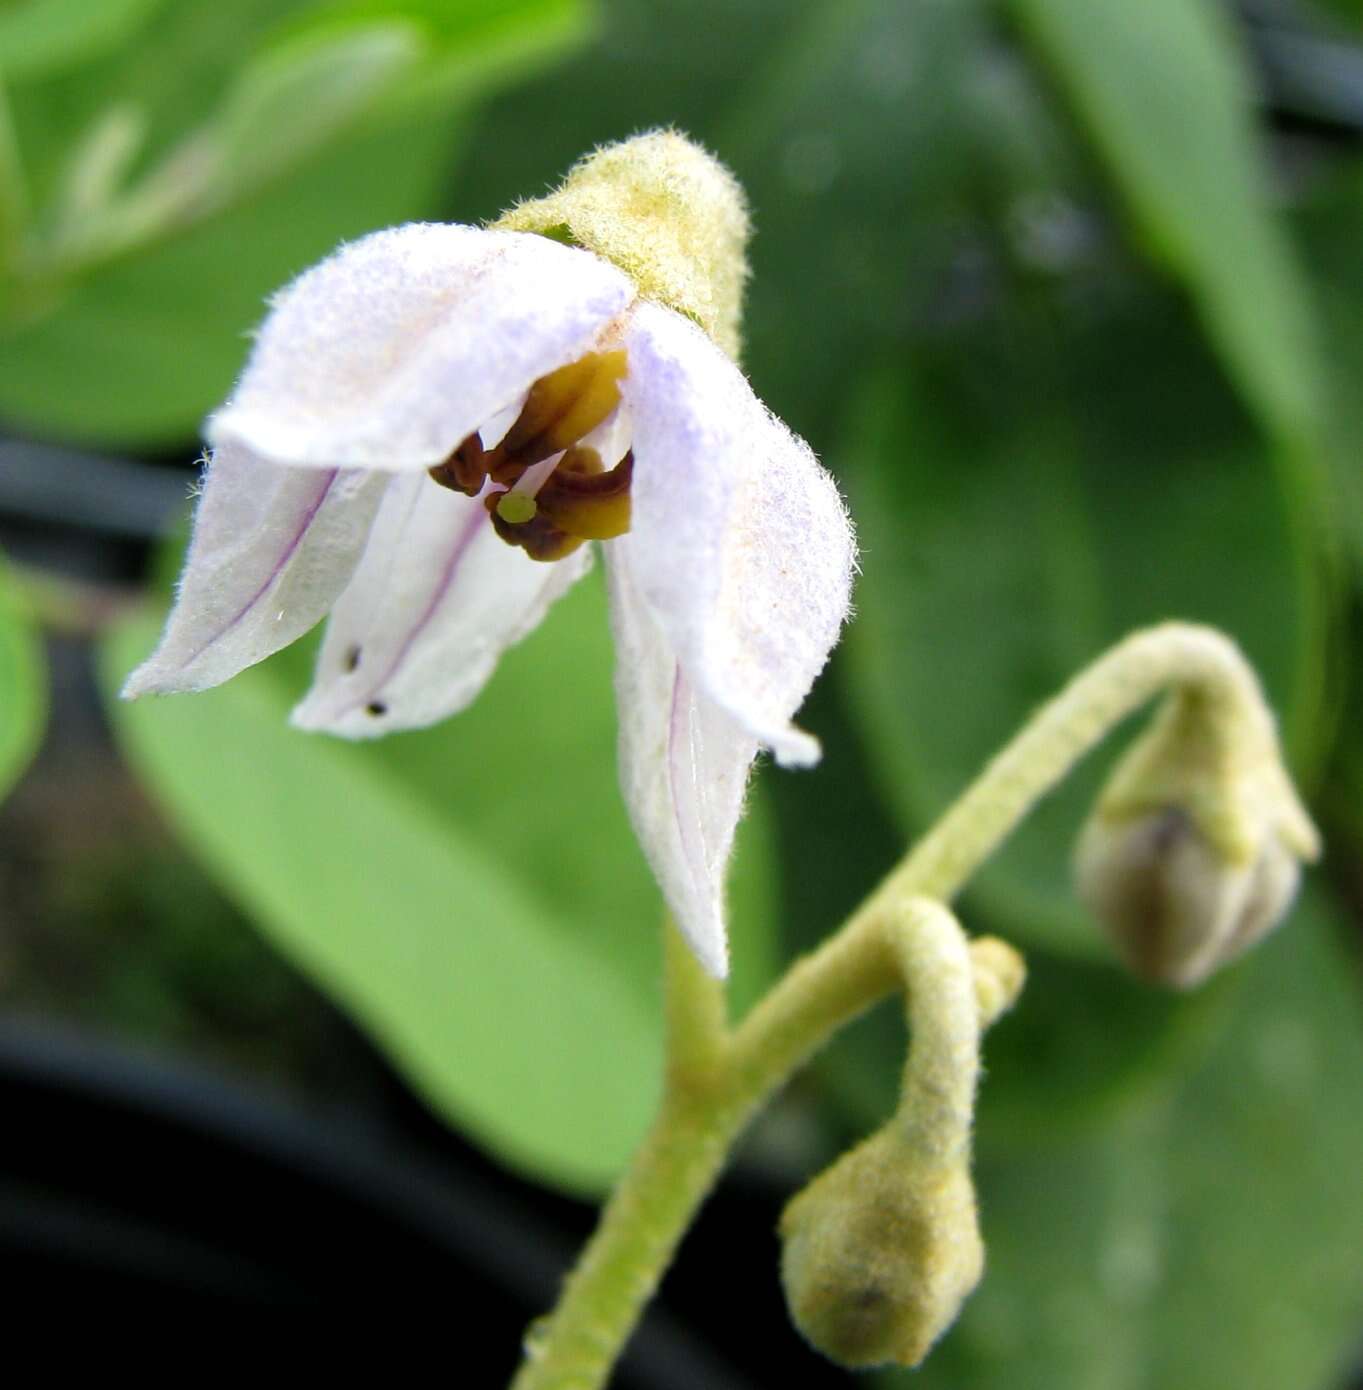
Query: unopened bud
x,y
1175,907
670,215
1194,850
880,1251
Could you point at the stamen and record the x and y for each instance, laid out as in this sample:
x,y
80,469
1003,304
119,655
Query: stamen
x,y
583,500
565,405
466,468
552,493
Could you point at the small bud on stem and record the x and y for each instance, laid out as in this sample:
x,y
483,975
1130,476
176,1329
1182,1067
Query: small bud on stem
x,y
882,1249
1193,851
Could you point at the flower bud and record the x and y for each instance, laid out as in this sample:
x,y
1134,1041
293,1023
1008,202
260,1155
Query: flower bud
x,y
1194,850
880,1251
1175,907
668,214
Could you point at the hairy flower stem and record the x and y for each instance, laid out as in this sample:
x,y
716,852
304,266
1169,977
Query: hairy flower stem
x,y
716,1078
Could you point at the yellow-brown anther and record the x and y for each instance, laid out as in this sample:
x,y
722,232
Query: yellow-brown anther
x,y
583,500
559,410
466,468
563,407
580,500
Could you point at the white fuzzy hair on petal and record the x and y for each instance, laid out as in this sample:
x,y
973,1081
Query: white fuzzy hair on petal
x,y
435,600
740,541
684,767
398,346
271,550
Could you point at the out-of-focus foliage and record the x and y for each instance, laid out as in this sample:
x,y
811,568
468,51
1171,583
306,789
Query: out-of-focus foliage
x,y
157,185
1333,229
41,37
1163,90
472,894
23,696
1081,338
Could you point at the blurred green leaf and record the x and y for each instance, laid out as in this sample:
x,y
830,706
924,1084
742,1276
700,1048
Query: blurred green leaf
x,y
469,46
1163,91
1019,511
1346,10
283,107
471,894
23,691
293,97
138,355
360,110
1210,1238
38,37
386,60
14,198
1332,225
456,25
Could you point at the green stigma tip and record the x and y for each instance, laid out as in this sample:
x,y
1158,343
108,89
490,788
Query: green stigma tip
x,y
516,507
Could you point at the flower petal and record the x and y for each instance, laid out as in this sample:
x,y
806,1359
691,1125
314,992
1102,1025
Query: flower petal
x,y
739,539
436,599
396,348
683,768
272,548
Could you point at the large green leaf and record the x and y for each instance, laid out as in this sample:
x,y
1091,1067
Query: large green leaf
x,y
1210,1237
472,894
1163,91
23,694
1012,530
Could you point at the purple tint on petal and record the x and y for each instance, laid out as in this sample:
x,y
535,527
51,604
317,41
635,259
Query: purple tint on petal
x,y
287,554
474,524
681,777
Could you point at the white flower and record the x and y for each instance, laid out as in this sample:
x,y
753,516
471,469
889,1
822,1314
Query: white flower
x,y
416,349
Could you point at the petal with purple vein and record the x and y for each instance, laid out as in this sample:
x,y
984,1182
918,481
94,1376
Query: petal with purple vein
x,y
272,548
684,767
739,540
435,600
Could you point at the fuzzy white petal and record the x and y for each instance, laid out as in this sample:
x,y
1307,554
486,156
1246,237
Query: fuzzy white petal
x,y
684,765
739,539
396,348
436,599
271,550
